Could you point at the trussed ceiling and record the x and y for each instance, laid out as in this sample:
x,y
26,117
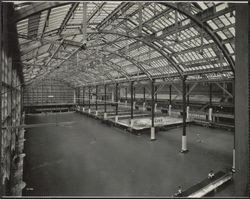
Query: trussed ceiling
x,y
125,41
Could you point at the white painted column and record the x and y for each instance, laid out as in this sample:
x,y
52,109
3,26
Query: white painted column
x,y
184,143
187,112
152,135
116,118
210,112
131,123
169,109
144,106
155,107
112,96
233,167
105,116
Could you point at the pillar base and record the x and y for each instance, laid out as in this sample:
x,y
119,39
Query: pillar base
x,y
144,106
184,151
184,144
116,118
131,123
152,134
210,112
187,110
169,110
233,167
105,116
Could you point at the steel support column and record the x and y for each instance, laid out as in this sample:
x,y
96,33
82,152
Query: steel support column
x,y
116,99
132,100
210,94
89,97
126,93
210,110
152,136
144,99
156,93
134,93
233,102
83,95
105,98
170,100
184,108
96,94
170,94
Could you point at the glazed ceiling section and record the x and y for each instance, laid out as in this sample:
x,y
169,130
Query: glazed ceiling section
x,y
127,41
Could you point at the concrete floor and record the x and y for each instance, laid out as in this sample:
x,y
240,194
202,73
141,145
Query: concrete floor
x,y
92,159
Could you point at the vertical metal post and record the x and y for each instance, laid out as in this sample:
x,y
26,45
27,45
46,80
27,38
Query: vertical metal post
x,y
170,100
126,93
83,93
105,98
144,99
156,87
184,139
78,96
96,93
210,109
116,99
156,93
170,94
132,100
89,97
233,102
210,95
134,93
152,135
187,96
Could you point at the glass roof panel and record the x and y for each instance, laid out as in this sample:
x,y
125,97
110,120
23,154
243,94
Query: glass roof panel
x,y
184,47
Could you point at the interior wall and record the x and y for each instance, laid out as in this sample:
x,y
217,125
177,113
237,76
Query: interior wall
x,y
242,100
11,108
48,91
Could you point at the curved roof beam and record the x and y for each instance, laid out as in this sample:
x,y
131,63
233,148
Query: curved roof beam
x,y
208,30
105,74
118,69
133,61
148,43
